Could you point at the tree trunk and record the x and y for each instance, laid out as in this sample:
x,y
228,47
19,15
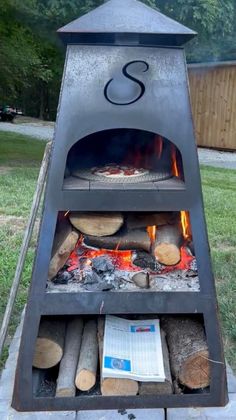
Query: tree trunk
x,y
188,349
49,344
67,371
113,386
88,359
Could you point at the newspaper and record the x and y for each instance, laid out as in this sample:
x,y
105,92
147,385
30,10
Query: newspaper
x,y
133,350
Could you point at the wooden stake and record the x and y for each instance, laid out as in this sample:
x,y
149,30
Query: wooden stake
x,y
67,370
49,344
25,244
88,359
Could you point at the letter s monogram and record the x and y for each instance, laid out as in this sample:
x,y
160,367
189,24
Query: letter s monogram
x,y
126,92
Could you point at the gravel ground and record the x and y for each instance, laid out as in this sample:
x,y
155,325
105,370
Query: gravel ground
x,y
41,132
45,132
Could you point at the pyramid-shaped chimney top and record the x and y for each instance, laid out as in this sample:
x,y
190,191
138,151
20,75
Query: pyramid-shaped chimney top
x,y
125,17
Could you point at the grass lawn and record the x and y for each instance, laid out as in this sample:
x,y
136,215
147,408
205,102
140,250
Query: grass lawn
x,y
19,164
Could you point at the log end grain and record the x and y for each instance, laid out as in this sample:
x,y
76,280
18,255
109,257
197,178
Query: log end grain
x,y
195,372
167,254
47,353
85,380
118,387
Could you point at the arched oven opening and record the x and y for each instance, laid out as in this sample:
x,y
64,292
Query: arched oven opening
x,y
124,156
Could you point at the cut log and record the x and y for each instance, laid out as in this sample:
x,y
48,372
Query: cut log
x,y
167,246
153,388
88,359
133,239
113,386
97,224
69,361
49,344
142,220
141,280
64,243
188,349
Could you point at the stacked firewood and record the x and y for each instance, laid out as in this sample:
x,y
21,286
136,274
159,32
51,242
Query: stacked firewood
x,y
77,346
125,231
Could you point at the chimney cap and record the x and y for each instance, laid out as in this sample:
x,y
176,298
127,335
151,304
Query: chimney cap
x,y
129,18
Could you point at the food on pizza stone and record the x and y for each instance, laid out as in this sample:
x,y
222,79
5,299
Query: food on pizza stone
x,y
118,171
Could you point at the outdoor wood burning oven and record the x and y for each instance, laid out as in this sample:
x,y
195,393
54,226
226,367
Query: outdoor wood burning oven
x,y
124,150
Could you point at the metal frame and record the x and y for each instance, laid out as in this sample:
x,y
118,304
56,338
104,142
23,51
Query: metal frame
x,y
163,109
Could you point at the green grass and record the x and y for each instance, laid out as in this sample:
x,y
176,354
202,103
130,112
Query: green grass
x,y
23,155
18,150
219,190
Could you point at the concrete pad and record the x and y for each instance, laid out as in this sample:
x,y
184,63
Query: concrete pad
x,y
231,380
219,413
14,415
122,415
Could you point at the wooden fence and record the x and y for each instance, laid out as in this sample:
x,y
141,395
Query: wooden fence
x,y
213,96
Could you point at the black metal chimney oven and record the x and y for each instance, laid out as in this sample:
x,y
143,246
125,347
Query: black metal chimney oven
x,y
125,70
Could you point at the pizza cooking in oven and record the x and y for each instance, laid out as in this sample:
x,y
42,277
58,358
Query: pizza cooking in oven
x,y
119,171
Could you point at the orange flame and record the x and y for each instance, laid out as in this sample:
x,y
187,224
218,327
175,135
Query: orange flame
x,y
175,169
151,230
185,222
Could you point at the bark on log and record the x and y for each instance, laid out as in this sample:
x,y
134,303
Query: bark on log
x,y
49,344
68,365
167,246
97,224
133,239
153,388
88,358
188,349
64,243
142,220
113,386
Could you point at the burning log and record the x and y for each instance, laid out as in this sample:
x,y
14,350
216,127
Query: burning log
x,y
49,344
67,371
153,388
64,243
88,359
142,220
97,224
113,386
189,356
131,240
167,245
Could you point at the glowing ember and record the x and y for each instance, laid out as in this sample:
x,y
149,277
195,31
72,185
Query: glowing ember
x,y
185,262
82,256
